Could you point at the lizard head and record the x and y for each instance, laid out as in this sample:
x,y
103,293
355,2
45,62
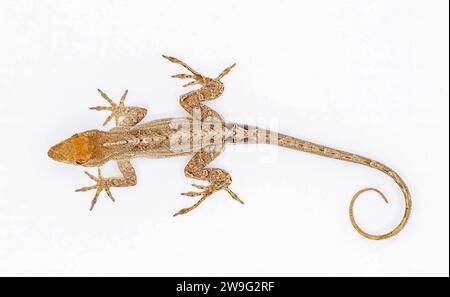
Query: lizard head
x,y
80,149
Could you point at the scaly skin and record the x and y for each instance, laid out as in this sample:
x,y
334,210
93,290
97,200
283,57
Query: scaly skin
x,y
202,135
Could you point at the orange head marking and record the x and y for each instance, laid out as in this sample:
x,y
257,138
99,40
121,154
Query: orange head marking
x,y
80,149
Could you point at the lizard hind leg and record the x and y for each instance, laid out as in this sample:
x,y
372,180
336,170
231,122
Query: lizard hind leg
x,y
225,72
193,102
211,88
197,78
219,179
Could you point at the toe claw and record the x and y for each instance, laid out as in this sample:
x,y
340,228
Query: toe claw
x,y
225,72
103,94
182,76
109,118
191,194
233,195
190,84
84,189
100,108
108,192
91,176
199,186
94,201
176,61
181,211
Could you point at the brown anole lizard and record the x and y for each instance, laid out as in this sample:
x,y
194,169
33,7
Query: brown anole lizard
x,y
202,135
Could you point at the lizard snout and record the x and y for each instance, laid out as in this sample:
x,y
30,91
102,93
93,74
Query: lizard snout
x,y
54,153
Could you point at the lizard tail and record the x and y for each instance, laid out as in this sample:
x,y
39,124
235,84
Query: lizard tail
x,y
301,145
251,134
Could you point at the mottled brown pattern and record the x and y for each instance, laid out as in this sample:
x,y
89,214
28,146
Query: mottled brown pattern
x,y
203,135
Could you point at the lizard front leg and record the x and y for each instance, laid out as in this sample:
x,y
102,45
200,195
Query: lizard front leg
x,y
132,114
129,179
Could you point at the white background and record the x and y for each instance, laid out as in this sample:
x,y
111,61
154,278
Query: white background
x,y
370,77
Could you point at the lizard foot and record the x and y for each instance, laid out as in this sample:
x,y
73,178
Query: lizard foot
x,y
196,77
102,184
116,109
207,191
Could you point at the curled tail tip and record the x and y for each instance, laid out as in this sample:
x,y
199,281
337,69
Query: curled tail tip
x,y
390,234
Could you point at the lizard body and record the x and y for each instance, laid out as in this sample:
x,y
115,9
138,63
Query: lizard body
x,y
203,135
